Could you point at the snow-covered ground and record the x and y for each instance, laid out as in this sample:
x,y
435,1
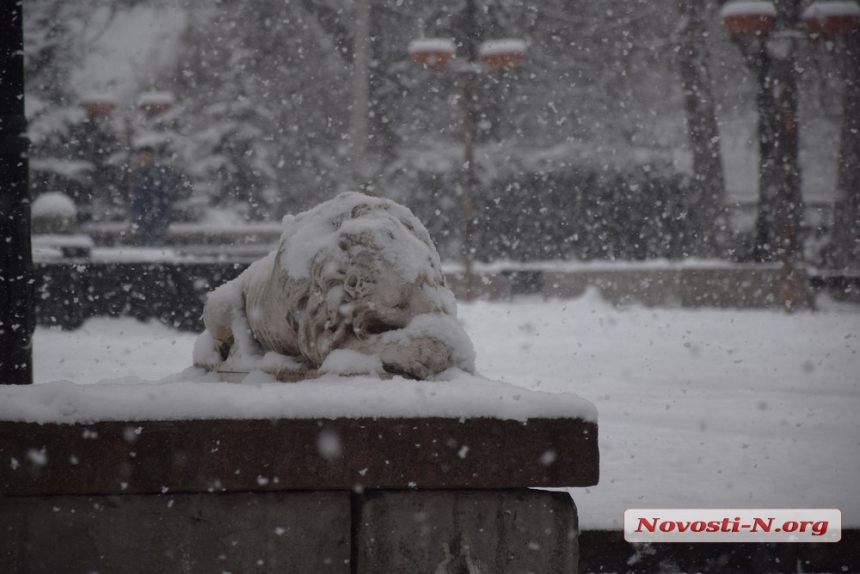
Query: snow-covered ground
x,y
697,408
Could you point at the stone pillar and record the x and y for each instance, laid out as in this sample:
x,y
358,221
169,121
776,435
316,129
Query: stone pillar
x,y
438,532
438,495
474,531
307,532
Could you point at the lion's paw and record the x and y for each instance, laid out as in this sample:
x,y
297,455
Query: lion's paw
x,y
420,358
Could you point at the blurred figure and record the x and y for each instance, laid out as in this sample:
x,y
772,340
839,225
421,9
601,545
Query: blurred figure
x,y
152,201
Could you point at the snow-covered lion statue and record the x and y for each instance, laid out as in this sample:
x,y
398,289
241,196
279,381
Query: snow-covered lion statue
x,y
355,286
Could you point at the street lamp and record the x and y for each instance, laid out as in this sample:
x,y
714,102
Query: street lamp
x,y
437,54
150,104
769,42
832,18
431,53
98,105
154,104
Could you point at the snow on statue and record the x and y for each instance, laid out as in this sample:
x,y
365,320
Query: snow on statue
x,y
355,286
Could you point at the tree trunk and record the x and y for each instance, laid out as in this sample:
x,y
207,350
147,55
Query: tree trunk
x,y
765,240
702,128
759,61
846,211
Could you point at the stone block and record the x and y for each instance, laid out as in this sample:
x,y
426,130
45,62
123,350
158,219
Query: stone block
x,y
113,457
467,531
307,532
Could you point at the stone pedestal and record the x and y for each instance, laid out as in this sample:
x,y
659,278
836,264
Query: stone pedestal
x,y
240,455
456,532
451,532
359,495
307,532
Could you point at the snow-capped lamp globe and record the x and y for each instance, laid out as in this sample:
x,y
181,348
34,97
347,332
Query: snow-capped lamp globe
x,y
746,18
431,53
832,18
98,105
436,53
502,54
154,104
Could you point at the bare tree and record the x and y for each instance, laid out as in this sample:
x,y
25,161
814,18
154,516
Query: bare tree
x,y
702,128
846,219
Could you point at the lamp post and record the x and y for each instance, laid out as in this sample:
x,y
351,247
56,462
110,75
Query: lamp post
x,y
16,260
769,38
437,54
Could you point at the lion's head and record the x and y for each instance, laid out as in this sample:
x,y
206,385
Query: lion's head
x,y
377,270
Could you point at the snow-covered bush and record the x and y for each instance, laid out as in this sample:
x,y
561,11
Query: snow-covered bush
x,y
53,212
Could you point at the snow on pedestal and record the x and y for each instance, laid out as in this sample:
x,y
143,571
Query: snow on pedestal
x,y
197,395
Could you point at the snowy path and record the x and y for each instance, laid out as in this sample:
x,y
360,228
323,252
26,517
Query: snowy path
x,y
704,408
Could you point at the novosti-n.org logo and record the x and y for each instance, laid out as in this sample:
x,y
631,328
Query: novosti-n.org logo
x,y
732,525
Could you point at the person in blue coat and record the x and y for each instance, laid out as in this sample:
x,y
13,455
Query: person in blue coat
x,y
152,201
